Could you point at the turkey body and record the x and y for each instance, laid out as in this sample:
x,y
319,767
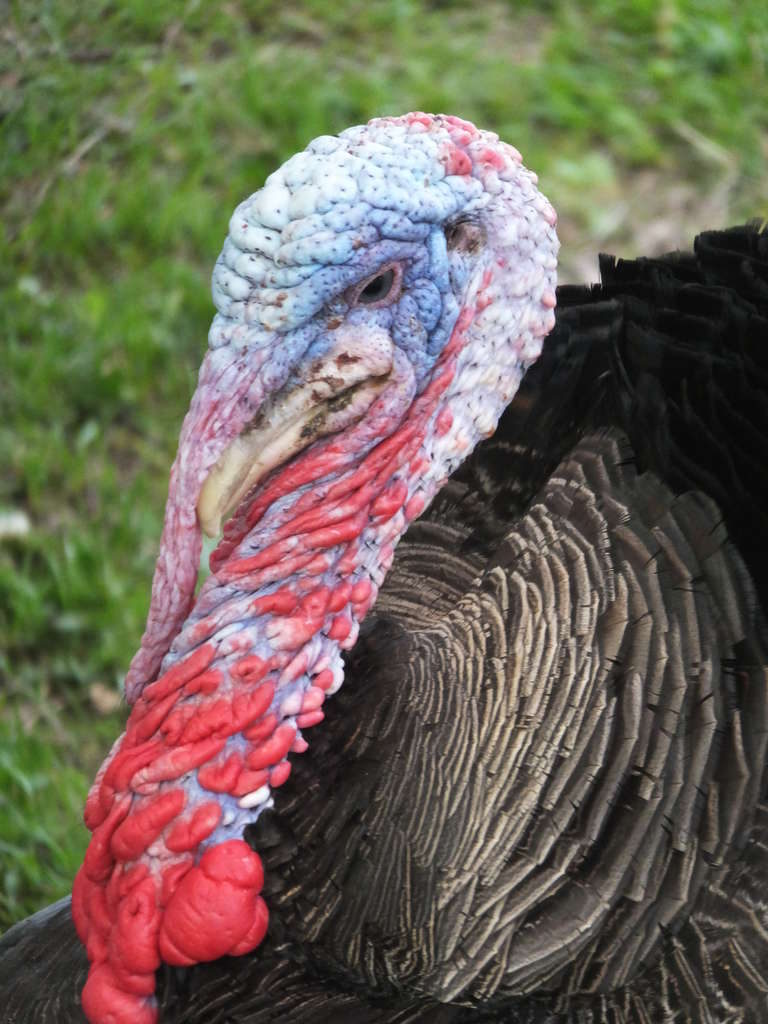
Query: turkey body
x,y
543,795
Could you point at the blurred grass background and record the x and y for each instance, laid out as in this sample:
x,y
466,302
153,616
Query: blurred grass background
x,y
128,132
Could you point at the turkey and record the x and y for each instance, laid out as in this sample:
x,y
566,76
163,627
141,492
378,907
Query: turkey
x,y
540,794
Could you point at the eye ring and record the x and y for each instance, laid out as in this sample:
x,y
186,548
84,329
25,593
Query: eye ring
x,y
380,289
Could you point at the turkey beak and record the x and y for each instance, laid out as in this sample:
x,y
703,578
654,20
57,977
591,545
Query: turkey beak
x,y
334,392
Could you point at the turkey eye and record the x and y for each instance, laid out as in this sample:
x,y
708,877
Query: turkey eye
x,y
380,290
464,236
377,289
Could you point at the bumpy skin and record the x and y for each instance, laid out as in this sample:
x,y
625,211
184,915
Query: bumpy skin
x,y
496,829
223,688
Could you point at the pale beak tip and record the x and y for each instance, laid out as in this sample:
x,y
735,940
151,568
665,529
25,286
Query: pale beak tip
x,y
209,515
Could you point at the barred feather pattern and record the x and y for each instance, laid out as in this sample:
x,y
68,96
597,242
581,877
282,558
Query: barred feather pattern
x,y
546,823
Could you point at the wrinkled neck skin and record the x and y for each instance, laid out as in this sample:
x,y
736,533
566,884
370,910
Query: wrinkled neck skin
x,y
336,512
301,562
168,876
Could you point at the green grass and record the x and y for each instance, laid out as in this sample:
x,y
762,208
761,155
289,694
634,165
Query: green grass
x,y
128,132
39,850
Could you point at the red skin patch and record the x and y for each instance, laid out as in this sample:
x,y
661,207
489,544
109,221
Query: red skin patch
x,y
417,118
313,699
280,773
361,591
120,936
414,507
248,781
216,909
274,749
324,679
250,669
456,161
145,824
389,501
126,914
295,668
187,834
484,298
179,674
221,776
248,706
309,719
99,858
105,998
340,628
444,421
128,760
466,127
176,762
340,596
493,157
282,602
261,730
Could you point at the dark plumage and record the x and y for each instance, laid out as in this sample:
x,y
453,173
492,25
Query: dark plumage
x,y
479,847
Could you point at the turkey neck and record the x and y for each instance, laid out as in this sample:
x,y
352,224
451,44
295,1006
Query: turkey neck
x,y
207,742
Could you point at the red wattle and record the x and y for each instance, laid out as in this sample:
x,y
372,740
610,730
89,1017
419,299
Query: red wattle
x,y
216,909
105,999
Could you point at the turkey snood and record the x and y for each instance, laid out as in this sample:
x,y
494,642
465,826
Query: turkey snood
x,y
378,303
